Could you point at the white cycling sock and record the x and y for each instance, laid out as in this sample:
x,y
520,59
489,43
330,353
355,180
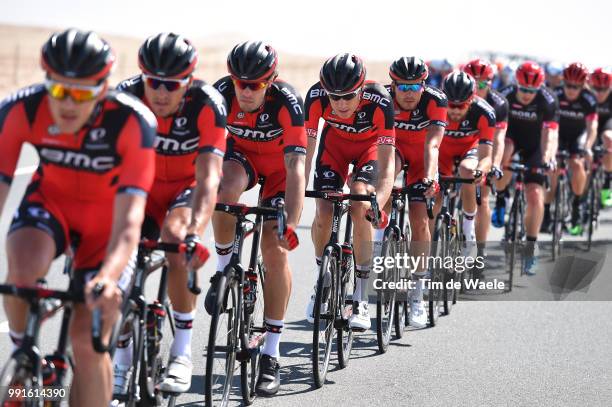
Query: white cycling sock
x,y
361,283
468,225
224,254
124,350
16,338
183,322
274,329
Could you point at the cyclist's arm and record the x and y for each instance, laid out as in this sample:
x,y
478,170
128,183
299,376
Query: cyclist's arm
x,y
135,146
485,152
12,125
498,146
208,177
208,166
312,113
486,130
433,139
591,128
295,187
549,143
385,155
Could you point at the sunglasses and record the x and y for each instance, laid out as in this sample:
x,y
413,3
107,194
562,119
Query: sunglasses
x,y
171,85
600,90
345,96
572,86
526,89
459,105
483,84
251,85
78,93
409,87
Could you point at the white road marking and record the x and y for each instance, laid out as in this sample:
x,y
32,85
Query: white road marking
x,y
25,170
4,327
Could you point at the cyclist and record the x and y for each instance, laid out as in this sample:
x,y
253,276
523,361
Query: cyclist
x,y
483,73
577,134
266,139
553,75
420,119
358,129
600,82
468,139
89,192
190,144
533,121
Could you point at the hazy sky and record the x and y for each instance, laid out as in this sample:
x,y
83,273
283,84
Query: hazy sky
x,y
377,29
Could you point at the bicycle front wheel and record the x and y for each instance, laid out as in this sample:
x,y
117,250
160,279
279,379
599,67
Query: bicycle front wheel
x,y
385,303
344,338
222,346
18,374
324,316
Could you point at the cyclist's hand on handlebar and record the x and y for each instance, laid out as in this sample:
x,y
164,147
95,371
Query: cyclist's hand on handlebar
x,y
383,218
588,156
432,187
103,293
196,253
478,176
290,239
496,172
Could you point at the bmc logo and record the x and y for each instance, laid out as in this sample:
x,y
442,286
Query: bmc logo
x,y
409,126
376,98
316,92
255,135
167,145
77,160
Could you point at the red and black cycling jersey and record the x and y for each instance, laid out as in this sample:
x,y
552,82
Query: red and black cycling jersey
x,y
197,127
573,115
373,118
527,121
604,110
478,124
500,104
112,152
276,127
411,125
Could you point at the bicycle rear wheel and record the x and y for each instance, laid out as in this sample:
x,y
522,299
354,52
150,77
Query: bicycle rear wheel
x,y
435,292
17,374
324,317
222,345
344,337
385,303
453,249
253,332
400,317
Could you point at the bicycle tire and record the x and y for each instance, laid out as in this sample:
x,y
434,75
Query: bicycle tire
x,y
434,294
322,346
385,299
150,371
345,335
222,344
17,372
252,324
401,313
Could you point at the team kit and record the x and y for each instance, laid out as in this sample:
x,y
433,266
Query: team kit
x,y
163,154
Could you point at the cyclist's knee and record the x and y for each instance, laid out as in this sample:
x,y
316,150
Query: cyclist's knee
x,y
607,138
324,212
80,336
175,227
534,195
358,210
23,268
575,163
233,184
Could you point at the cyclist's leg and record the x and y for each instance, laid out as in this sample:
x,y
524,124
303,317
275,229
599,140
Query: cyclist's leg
x,y
89,366
534,213
239,175
467,166
509,150
174,230
37,235
606,137
277,289
577,180
331,170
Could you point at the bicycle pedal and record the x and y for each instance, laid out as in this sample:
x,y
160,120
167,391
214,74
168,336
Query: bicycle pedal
x,y
341,324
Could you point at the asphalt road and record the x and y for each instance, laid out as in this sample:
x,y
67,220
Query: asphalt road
x,y
486,353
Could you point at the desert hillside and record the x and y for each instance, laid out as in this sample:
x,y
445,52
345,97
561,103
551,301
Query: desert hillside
x,y
20,48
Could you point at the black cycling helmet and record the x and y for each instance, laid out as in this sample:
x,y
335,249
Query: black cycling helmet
x,y
408,69
168,55
77,54
252,61
343,73
458,86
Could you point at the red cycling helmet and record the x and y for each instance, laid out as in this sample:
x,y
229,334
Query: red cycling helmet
x,y
575,72
479,69
530,74
600,78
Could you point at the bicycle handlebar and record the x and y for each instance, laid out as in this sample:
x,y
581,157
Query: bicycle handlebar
x,y
340,196
96,324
